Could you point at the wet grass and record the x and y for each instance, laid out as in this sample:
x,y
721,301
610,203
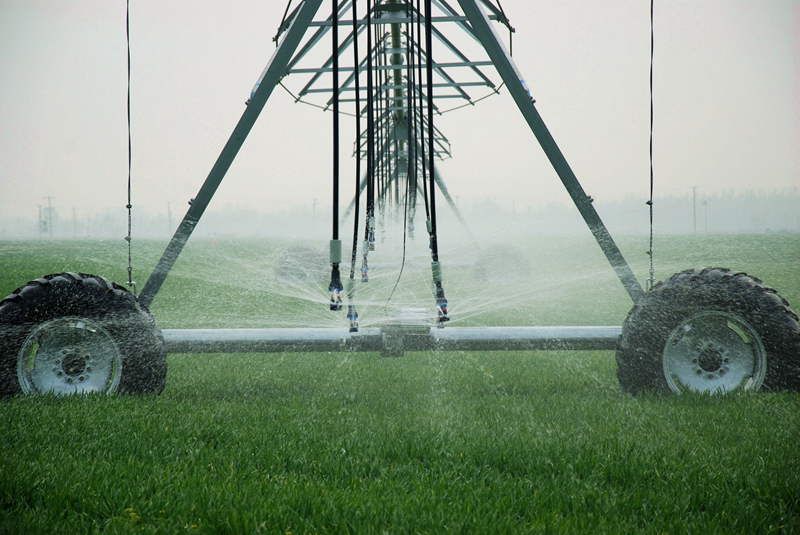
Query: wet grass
x,y
495,442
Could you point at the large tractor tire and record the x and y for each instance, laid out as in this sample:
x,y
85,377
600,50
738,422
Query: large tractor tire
x,y
710,331
73,333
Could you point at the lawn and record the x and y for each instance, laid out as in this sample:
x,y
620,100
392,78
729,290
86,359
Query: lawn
x,y
431,442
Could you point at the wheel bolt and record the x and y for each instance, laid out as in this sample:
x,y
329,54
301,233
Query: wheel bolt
x,y
81,378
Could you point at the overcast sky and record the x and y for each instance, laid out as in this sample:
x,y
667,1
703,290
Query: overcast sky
x,y
727,106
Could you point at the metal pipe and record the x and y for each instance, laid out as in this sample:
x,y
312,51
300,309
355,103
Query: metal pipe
x,y
406,337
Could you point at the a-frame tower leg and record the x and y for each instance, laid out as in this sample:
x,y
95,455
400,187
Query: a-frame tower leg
x,y
276,69
516,86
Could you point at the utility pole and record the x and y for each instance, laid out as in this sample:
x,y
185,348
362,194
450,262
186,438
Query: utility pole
x,y
47,218
50,216
705,214
694,209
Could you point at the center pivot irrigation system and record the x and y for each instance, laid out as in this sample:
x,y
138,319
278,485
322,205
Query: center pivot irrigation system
x,y
705,330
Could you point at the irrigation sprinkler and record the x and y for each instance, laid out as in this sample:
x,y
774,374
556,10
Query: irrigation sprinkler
x,y
704,330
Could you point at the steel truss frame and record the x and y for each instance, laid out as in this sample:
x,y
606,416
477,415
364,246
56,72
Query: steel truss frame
x,y
284,61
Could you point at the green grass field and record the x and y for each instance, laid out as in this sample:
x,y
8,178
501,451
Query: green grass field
x,y
432,442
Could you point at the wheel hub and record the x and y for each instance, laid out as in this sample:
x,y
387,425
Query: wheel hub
x,y
710,359
714,352
73,363
69,356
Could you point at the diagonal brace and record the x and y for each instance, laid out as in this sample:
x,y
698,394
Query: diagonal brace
x,y
275,70
519,91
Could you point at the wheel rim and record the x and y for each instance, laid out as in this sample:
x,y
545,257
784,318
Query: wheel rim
x,y
714,352
69,356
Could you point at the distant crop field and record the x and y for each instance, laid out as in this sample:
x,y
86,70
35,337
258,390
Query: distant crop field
x,y
431,442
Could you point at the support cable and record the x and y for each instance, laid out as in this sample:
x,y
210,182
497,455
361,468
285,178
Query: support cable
x,y
129,205
410,192
300,100
335,286
651,280
352,313
473,102
405,244
436,269
510,29
283,21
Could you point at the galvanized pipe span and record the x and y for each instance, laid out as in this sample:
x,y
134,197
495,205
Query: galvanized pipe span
x,y
390,339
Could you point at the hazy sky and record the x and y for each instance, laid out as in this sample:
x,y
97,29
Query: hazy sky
x,y
727,106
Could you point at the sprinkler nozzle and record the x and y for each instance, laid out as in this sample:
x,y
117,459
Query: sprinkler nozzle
x,y
441,305
371,233
352,315
364,270
441,309
336,300
336,288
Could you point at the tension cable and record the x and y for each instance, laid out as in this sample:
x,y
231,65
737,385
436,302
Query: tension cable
x,y
283,21
411,178
652,279
129,206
